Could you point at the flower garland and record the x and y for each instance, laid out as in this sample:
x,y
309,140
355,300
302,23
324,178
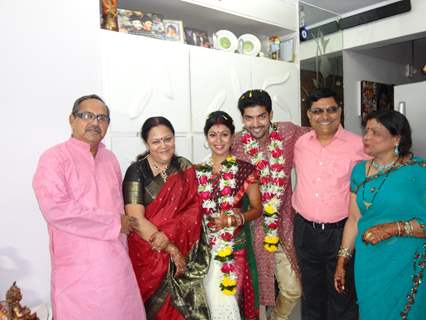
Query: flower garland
x,y
221,241
272,181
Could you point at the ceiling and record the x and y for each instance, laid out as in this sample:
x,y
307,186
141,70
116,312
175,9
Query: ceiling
x,y
343,6
317,11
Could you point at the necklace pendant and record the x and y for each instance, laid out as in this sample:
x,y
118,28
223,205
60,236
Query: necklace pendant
x,y
164,175
373,189
367,204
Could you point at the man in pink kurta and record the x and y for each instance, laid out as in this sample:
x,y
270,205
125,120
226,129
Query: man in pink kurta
x,y
256,110
323,160
78,187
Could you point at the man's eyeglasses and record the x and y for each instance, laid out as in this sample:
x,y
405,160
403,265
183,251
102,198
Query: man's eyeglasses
x,y
329,110
86,115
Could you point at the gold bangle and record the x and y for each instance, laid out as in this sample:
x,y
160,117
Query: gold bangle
x,y
344,252
243,218
399,228
238,219
408,228
152,237
229,221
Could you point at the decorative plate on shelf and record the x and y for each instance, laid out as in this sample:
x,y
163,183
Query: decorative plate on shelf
x,y
226,41
249,44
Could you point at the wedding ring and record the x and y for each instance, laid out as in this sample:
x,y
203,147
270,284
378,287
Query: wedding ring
x,y
368,235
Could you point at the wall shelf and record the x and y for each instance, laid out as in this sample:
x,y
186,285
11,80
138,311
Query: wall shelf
x,y
271,17
144,77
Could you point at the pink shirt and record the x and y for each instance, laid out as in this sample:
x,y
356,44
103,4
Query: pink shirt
x,y
80,198
323,175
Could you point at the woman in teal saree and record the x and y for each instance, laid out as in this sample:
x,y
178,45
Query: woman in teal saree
x,y
386,224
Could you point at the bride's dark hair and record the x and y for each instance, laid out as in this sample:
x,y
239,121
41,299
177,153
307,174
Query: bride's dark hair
x,y
219,117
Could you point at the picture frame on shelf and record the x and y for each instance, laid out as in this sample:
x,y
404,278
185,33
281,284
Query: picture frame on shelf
x,y
173,30
287,50
197,37
274,47
375,96
140,23
157,29
123,18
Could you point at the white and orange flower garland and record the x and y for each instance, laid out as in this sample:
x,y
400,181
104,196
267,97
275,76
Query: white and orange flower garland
x,y
272,181
222,241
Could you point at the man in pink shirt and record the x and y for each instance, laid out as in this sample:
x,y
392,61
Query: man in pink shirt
x,y
78,187
323,160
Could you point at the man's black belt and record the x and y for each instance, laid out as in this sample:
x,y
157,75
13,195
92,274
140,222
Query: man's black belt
x,y
323,225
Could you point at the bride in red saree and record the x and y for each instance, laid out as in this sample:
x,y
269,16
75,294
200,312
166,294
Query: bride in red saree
x,y
168,251
226,184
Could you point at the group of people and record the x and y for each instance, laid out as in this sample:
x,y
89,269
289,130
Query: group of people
x,y
227,238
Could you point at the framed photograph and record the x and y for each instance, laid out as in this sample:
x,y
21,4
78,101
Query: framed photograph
x,y
140,23
287,50
197,37
375,96
125,18
157,28
173,30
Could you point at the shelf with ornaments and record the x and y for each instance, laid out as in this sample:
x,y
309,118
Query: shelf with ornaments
x,y
229,25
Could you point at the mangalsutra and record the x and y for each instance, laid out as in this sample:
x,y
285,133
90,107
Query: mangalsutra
x,y
164,175
163,172
375,190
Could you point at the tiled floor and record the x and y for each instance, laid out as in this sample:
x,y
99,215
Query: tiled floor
x,y
294,316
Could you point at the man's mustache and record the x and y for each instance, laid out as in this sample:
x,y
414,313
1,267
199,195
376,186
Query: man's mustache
x,y
97,129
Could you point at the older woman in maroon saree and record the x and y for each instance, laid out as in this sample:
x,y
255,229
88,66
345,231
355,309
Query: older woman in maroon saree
x,y
169,212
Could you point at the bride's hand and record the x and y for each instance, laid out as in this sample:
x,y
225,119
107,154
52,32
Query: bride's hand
x,y
220,222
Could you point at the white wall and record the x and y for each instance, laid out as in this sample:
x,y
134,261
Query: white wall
x,y
49,57
414,96
53,55
374,66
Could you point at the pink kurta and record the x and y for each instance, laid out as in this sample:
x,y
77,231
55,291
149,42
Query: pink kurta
x,y
80,198
265,260
323,175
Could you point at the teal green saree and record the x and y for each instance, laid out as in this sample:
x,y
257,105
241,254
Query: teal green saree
x,y
389,276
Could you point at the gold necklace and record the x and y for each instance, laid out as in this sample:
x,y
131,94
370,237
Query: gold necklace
x,y
162,171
